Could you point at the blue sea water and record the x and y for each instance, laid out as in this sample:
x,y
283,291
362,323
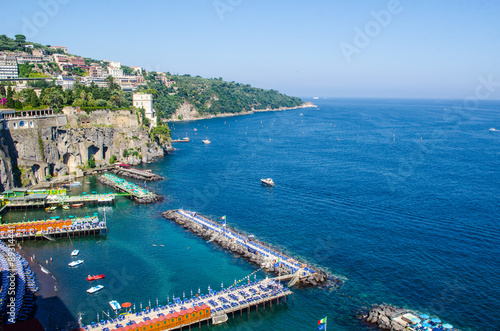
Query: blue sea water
x,y
398,197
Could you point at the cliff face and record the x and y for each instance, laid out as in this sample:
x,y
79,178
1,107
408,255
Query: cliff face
x,y
58,150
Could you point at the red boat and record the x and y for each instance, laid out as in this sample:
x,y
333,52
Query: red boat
x,y
95,277
77,205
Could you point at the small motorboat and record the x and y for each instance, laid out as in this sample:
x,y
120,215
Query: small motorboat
x,y
493,129
95,289
75,263
75,252
206,141
73,184
77,205
267,182
65,207
115,305
50,209
94,277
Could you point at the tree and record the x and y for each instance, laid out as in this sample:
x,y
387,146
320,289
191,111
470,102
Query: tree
x,y
10,101
91,162
112,159
34,102
111,83
20,38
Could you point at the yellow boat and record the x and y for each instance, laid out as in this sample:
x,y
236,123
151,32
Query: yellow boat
x,y
50,209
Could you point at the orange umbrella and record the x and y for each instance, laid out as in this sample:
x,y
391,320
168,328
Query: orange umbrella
x,y
126,305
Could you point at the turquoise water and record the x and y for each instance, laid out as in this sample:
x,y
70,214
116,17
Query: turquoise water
x,y
399,197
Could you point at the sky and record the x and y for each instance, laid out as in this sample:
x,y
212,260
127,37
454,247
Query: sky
x,y
327,48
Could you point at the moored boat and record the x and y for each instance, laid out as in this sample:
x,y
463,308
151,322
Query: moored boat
x,y
65,207
75,263
75,252
95,277
115,305
206,141
267,182
95,289
77,205
50,209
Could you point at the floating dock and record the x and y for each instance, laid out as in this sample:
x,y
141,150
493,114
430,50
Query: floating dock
x,y
259,253
139,194
214,307
53,228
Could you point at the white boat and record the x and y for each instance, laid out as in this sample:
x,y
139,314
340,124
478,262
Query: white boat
x,y
493,129
115,305
267,181
75,263
72,184
75,252
95,289
195,129
45,270
301,114
316,98
206,141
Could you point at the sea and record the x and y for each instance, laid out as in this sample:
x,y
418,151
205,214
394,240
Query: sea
x,y
398,197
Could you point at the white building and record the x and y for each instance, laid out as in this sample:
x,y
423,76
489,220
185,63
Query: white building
x,y
115,72
115,65
143,100
8,67
67,83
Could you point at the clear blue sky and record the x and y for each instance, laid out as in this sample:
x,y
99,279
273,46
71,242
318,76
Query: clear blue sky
x,y
435,49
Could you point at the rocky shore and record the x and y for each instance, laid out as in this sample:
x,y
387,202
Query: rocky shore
x,y
380,316
318,278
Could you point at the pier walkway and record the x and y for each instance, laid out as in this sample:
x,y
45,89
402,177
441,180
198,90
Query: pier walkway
x,y
138,193
215,306
85,199
271,256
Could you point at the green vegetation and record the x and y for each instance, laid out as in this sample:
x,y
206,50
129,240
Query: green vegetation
x,y
25,69
213,96
160,134
113,159
91,162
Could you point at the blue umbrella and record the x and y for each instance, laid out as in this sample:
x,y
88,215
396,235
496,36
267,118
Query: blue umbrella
x,y
447,326
436,320
424,316
415,320
426,325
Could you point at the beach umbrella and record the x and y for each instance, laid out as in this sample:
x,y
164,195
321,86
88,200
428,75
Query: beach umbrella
x,y
436,320
447,326
424,316
426,325
126,305
415,320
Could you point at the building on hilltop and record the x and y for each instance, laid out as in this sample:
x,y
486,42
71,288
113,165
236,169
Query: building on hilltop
x,y
77,61
8,67
96,70
137,69
39,52
115,72
63,48
143,100
115,65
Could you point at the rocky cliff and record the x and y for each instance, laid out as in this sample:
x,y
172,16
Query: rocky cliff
x,y
58,150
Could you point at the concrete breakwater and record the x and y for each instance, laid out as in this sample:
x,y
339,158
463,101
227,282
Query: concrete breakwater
x,y
139,195
136,174
258,253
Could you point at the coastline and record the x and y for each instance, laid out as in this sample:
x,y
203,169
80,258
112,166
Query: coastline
x,y
204,117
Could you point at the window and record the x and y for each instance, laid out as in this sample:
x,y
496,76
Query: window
x,y
193,315
21,124
187,316
200,313
179,319
172,320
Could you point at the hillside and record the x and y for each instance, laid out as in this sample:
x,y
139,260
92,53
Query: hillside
x,y
96,84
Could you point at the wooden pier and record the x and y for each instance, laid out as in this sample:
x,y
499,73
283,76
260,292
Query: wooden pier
x,y
214,308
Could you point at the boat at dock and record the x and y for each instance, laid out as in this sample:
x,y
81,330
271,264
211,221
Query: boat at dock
x,y
77,205
75,252
73,184
206,141
95,289
115,305
50,209
95,277
184,140
75,263
65,207
267,182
